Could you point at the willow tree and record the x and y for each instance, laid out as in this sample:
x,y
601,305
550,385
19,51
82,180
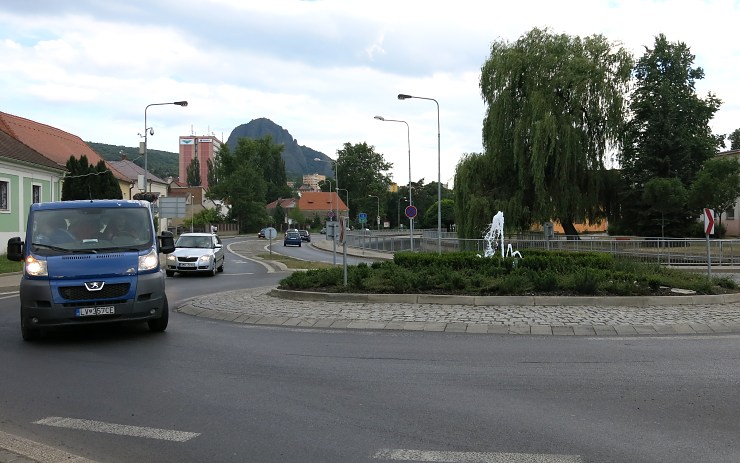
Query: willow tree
x,y
473,195
555,105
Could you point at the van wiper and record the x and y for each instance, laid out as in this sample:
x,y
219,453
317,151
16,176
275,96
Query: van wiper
x,y
53,248
117,249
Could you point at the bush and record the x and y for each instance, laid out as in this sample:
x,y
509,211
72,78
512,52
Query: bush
x,y
544,272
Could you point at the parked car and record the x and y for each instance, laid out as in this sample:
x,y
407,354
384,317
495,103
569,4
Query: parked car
x,y
305,235
323,231
293,238
196,253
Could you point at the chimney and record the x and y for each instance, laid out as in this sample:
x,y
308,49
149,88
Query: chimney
x,y
123,156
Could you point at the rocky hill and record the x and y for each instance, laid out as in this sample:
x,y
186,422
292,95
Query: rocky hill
x,y
298,159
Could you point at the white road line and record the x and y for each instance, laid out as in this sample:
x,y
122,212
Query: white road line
x,y
37,451
472,457
8,295
120,429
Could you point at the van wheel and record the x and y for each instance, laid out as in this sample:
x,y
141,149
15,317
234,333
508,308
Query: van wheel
x,y
29,334
160,324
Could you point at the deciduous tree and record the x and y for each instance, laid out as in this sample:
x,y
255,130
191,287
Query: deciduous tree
x,y
555,105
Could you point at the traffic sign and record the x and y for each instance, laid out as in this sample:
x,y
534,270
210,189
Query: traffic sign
x,y
330,214
708,221
362,217
410,211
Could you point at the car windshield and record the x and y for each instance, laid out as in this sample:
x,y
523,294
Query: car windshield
x,y
189,241
90,230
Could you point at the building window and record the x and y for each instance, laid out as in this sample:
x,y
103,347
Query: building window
x,y
731,213
36,193
4,195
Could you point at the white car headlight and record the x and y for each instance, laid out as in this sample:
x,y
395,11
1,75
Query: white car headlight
x,y
149,261
205,258
171,257
35,267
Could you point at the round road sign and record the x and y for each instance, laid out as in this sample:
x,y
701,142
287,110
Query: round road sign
x,y
410,211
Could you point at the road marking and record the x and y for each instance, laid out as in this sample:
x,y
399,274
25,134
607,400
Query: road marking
x,y
36,451
472,457
265,265
120,429
8,295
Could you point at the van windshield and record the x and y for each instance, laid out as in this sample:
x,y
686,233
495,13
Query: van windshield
x,y
90,230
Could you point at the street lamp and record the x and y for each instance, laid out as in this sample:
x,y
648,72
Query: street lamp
x,y
398,208
336,187
378,218
336,179
150,130
347,192
408,139
402,96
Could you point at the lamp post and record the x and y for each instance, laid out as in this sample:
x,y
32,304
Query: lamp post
x,y
151,130
378,218
402,96
336,187
347,192
399,209
408,139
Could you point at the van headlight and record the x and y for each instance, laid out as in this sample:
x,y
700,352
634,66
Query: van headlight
x,y
149,261
35,267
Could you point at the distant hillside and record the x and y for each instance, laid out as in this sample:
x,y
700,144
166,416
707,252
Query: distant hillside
x,y
161,163
299,160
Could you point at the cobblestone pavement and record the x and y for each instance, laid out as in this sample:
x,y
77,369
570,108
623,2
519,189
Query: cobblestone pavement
x,y
258,306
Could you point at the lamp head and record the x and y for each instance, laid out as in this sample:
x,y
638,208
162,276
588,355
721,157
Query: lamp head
x,y
402,96
380,118
181,103
151,130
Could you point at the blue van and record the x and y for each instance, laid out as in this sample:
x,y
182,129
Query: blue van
x,y
92,261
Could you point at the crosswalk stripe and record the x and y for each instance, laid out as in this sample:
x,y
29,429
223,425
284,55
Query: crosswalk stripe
x,y
472,457
120,429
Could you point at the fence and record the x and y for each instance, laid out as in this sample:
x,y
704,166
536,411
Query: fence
x,y
665,251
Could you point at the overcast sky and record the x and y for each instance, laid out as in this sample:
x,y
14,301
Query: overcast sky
x,y
321,69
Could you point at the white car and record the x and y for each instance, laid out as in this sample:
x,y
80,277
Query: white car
x,y
196,252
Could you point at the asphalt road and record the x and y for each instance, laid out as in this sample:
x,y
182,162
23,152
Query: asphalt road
x,y
214,391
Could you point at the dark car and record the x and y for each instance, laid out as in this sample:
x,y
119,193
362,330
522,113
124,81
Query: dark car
x,y
292,238
305,235
261,233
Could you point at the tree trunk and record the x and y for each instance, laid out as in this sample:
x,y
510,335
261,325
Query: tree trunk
x,y
570,230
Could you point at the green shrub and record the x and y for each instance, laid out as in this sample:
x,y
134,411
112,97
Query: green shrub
x,y
545,281
586,281
514,284
539,270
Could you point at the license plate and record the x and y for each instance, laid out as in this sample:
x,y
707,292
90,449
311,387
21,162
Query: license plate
x,y
187,264
91,311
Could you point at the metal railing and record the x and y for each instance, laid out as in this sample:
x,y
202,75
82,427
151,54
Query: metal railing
x,y
665,251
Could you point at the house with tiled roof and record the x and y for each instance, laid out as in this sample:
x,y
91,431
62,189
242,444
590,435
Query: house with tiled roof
x,y
26,177
131,172
321,204
53,143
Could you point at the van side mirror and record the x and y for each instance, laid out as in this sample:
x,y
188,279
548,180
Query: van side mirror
x,y
166,242
15,249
